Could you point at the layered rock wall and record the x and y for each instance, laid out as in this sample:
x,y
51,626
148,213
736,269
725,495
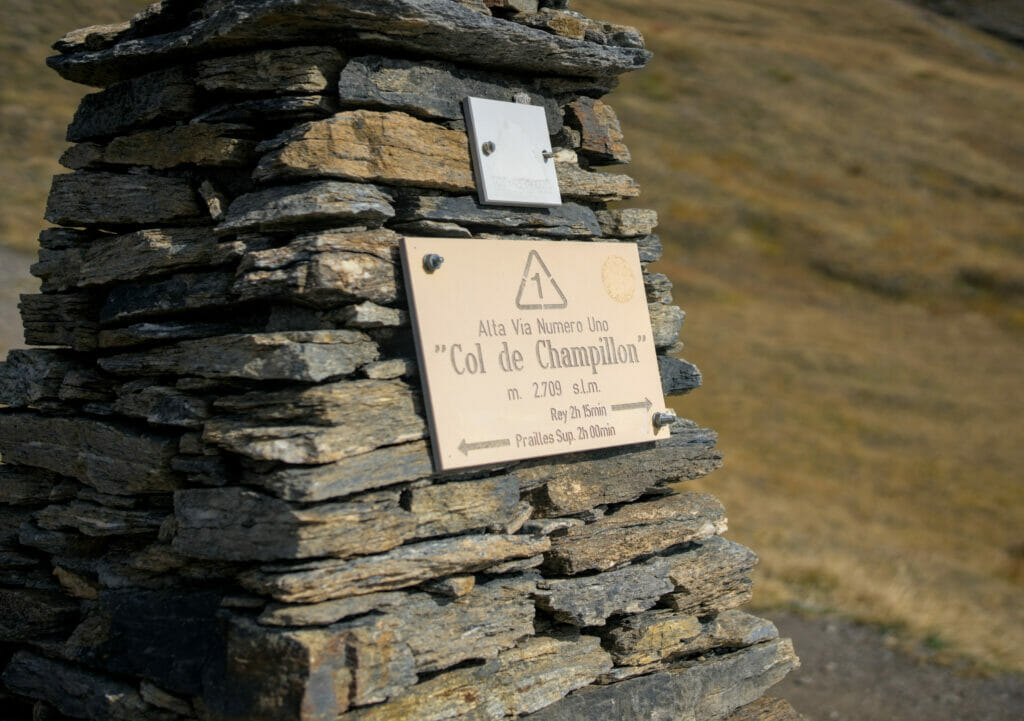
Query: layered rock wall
x,y
217,499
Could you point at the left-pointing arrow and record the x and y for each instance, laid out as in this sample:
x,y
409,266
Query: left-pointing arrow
x,y
481,445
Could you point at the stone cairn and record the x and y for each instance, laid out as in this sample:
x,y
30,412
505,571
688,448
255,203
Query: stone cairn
x,y
216,497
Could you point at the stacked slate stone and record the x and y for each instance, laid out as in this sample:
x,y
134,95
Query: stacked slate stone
x,y
217,492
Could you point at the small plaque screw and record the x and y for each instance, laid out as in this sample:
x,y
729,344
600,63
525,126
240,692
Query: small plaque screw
x,y
432,261
664,418
488,147
548,155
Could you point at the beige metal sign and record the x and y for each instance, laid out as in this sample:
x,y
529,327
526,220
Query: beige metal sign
x,y
531,348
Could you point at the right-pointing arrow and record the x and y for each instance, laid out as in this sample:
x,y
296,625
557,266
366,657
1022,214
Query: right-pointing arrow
x,y
482,445
645,404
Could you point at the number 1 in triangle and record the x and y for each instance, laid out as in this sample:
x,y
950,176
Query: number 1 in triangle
x,y
539,291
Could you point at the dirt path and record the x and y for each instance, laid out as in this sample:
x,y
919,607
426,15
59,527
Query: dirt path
x,y
848,672
14,280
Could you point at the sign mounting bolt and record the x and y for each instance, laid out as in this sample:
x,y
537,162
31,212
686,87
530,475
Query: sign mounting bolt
x,y
664,418
432,261
488,147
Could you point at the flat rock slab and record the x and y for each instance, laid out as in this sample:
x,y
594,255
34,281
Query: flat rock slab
x,y
93,198
536,673
400,568
658,636
235,524
110,457
430,89
703,692
371,147
138,300
201,144
379,468
317,425
635,530
306,356
590,600
160,97
140,254
572,484
78,693
288,71
302,207
31,375
565,221
711,577
434,28
325,269
26,486
92,519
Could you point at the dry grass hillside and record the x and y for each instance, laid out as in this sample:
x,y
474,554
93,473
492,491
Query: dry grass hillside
x,y
841,188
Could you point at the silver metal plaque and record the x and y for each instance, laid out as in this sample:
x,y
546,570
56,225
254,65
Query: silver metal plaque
x,y
511,153
531,348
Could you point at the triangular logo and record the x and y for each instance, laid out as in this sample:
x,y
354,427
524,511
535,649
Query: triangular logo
x,y
539,290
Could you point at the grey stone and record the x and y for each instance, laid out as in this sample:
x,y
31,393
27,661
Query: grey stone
x,y
182,292
627,222
147,333
76,692
399,568
68,319
110,457
317,425
136,255
326,269
435,28
200,144
161,405
286,109
666,323
26,486
31,375
703,692
590,600
370,315
92,519
573,484
658,288
113,200
566,221
326,613
378,468
575,183
539,671
308,356
162,96
712,577
288,71
678,376
236,524
308,674
431,89
307,205
29,615
635,530
463,506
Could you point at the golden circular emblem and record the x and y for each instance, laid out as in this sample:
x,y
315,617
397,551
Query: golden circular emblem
x,y
618,280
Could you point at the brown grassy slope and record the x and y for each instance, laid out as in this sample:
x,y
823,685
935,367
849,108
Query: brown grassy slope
x,y
829,177
36,104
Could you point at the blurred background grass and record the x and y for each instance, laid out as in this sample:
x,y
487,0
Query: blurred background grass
x,y
841,191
